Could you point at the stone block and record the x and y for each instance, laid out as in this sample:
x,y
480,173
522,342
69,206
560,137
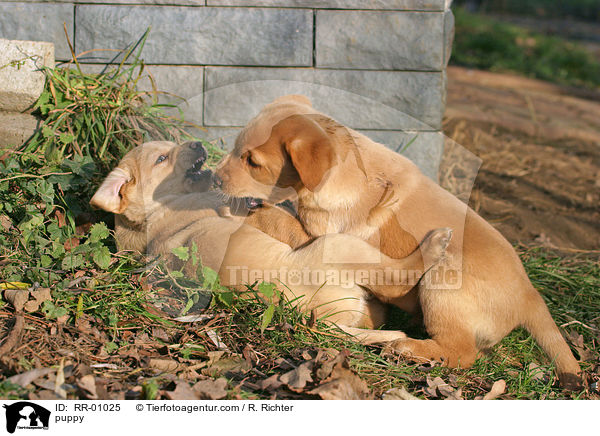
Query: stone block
x,y
201,36
21,80
38,22
425,149
16,128
376,40
409,5
388,100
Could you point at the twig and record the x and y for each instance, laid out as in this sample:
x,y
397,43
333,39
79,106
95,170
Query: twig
x,y
13,337
581,324
34,176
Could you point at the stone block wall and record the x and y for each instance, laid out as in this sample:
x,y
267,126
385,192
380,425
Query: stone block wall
x,y
375,65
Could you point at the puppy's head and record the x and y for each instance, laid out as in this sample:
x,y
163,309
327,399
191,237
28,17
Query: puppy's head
x,y
285,149
148,175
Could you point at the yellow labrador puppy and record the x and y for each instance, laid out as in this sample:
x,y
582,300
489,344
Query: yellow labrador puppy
x,y
149,191
347,183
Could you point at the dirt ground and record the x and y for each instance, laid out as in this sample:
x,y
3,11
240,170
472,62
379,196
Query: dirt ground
x,y
539,181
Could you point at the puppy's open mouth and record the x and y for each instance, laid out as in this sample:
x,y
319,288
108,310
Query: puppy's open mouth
x,y
253,203
196,172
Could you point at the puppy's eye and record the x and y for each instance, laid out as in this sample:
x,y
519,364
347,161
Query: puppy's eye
x,y
251,162
161,158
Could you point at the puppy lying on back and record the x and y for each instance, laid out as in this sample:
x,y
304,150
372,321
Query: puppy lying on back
x,y
346,183
149,191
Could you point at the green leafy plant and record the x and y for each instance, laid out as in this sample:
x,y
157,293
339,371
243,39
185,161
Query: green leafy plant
x,y
100,115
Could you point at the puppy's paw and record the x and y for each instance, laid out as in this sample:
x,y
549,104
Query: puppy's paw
x,y
433,247
224,212
409,350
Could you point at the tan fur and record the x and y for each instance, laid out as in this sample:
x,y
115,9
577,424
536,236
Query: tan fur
x,y
156,213
371,192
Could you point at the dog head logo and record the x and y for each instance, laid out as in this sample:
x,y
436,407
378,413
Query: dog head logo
x,y
26,415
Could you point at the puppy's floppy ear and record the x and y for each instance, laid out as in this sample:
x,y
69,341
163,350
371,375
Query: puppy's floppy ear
x,y
293,98
310,150
108,196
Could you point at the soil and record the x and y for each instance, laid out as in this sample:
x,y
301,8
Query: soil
x,y
539,145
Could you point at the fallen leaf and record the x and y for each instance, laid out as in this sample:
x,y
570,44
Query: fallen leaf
x,y
164,365
283,364
14,285
5,222
297,378
498,389
194,318
17,297
270,384
160,334
182,391
216,339
211,389
455,395
576,340
28,377
87,384
231,363
45,395
438,387
536,372
398,394
343,383
59,388
39,296
104,365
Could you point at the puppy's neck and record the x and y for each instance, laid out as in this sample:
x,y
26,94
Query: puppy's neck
x,y
130,235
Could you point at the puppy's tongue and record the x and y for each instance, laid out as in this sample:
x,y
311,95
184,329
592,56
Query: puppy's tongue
x,y
253,203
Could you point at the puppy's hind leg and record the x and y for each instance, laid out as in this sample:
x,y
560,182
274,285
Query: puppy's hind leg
x,y
457,348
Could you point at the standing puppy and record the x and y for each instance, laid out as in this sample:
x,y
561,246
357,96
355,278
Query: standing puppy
x,y
346,183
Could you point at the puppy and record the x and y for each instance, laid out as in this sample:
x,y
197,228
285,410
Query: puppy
x,y
149,191
346,183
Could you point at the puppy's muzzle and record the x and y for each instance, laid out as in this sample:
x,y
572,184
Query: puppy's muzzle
x,y
196,172
217,181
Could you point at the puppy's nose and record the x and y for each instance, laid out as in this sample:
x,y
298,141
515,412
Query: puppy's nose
x,y
217,181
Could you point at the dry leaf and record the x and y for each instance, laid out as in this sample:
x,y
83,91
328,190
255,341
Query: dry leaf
x,y
5,223
232,363
194,318
17,297
399,394
164,365
160,334
28,377
455,395
216,339
59,383
182,391
342,383
498,389
536,372
87,384
296,379
211,389
269,384
437,387
39,296
576,340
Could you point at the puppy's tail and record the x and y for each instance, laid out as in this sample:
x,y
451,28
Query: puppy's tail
x,y
542,327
